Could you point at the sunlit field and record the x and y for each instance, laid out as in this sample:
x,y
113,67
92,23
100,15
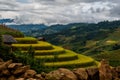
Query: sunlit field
x,y
53,56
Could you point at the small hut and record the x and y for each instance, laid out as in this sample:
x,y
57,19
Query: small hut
x,y
8,39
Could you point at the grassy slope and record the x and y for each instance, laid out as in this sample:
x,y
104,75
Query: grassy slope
x,y
112,56
5,30
104,49
115,35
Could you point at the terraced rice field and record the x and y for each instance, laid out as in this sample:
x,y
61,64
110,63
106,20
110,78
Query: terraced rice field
x,y
111,42
54,56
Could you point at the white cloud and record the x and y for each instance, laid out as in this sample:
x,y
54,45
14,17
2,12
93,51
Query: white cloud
x,y
59,11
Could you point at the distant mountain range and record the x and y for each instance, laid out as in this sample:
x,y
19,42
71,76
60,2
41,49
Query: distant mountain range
x,y
3,21
37,30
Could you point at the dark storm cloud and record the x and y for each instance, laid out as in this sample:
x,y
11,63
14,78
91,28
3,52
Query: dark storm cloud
x,y
115,11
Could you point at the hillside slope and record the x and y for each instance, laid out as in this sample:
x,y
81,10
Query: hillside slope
x,y
92,40
78,35
6,30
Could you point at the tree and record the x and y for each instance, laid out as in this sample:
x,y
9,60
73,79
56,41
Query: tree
x,y
31,51
1,40
116,46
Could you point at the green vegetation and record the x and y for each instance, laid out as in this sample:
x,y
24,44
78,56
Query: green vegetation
x,y
6,30
106,50
19,57
31,51
112,56
1,40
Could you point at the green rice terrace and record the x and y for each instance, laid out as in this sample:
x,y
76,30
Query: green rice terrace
x,y
54,56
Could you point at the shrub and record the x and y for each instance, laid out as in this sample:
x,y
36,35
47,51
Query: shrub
x,y
27,59
5,52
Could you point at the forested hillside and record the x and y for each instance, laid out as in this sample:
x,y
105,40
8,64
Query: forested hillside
x,y
80,34
101,40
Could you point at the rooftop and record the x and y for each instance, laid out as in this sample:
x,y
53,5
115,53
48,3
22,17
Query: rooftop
x,y
8,39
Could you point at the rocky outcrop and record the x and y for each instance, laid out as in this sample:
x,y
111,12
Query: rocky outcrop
x,y
81,73
61,74
93,73
17,71
105,71
116,73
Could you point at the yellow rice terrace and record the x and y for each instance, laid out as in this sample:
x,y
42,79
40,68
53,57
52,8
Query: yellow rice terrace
x,y
54,56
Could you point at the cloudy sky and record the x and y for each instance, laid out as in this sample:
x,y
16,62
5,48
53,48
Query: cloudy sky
x,y
59,11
